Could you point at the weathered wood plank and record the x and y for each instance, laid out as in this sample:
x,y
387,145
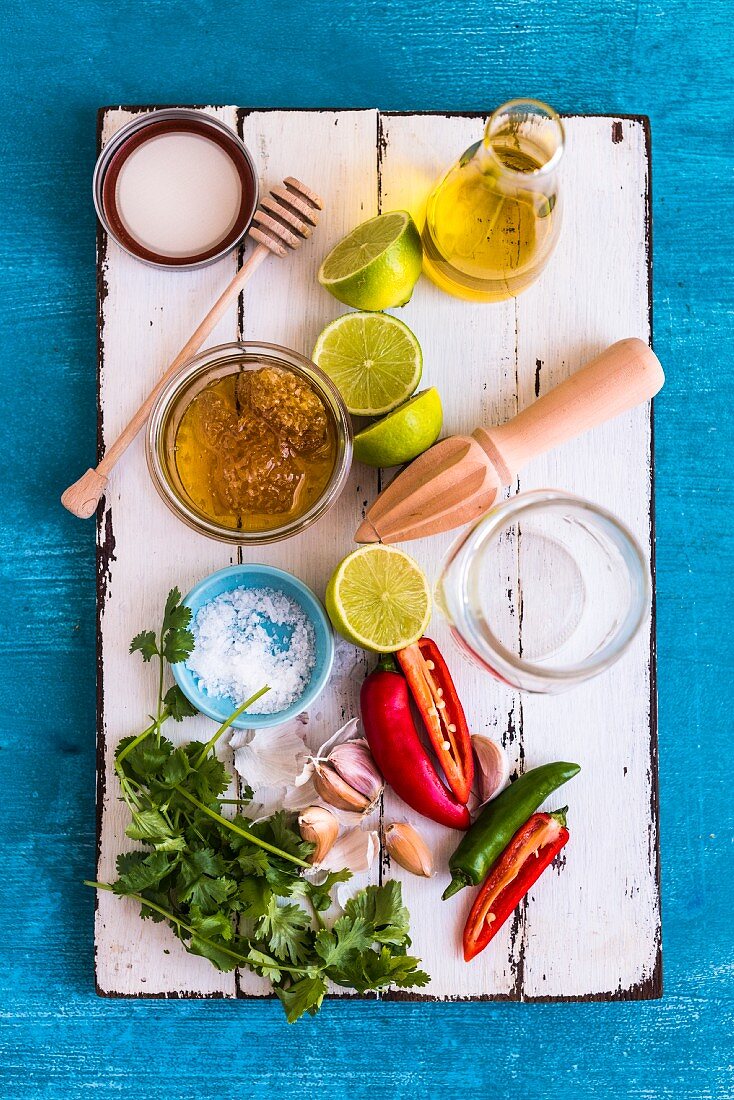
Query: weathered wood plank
x,y
601,909
469,354
145,317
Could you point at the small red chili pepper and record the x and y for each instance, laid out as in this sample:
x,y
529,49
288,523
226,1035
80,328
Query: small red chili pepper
x,y
439,706
530,851
398,750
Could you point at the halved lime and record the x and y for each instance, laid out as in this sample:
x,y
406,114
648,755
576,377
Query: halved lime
x,y
377,265
378,598
373,359
407,432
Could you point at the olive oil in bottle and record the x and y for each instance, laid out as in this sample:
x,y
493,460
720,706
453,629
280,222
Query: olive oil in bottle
x,y
493,220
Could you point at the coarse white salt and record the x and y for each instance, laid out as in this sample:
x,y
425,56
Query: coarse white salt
x,y
250,637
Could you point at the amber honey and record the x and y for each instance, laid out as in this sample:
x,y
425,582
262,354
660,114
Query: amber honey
x,y
255,449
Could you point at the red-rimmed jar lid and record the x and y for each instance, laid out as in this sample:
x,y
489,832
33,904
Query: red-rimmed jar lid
x,y
176,188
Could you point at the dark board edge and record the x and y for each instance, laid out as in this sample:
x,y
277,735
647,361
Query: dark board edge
x,y
650,988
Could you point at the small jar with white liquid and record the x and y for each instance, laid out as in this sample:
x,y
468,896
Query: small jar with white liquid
x,y
176,188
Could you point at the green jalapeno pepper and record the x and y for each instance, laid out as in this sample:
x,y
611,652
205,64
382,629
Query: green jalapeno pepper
x,y
499,821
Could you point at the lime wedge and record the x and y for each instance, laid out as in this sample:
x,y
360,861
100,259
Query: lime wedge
x,y
373,359
377,265
403,435
379,599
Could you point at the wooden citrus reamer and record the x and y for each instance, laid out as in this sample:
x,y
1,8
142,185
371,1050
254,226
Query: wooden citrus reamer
x,y
283,220
458,479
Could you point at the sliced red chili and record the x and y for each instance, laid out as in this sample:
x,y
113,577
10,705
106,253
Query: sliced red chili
x,y
440,708
530,851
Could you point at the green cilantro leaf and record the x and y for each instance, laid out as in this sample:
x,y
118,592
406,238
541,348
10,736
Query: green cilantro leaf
x,y
377,970
382,908
347,936
138,871
255,896
286,929
209,778
178,645
175,615
208,949
145,643
302,996
146,759
264,965
175,769
320,896
152,827
210,924
178,705
253,861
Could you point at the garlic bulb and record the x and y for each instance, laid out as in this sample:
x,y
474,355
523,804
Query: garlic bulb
x,y
348,778
318,826
408,848
492,771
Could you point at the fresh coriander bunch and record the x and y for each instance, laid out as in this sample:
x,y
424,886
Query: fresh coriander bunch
x,y
231,890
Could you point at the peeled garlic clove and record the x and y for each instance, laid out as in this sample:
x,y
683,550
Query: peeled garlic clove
x,y
408,848
336,791
318,826
354,763
492,771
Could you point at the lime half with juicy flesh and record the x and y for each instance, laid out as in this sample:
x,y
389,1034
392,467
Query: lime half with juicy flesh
x,y
377,265
378,598
403,435
373,359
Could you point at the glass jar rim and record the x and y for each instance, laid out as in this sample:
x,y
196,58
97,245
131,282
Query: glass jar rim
x,y
490,650
251,350
222,134
552,116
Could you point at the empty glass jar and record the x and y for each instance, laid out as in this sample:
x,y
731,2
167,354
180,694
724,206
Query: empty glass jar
x,y
545,591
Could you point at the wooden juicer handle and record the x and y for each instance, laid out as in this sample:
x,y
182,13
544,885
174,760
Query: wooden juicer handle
x,y
624,375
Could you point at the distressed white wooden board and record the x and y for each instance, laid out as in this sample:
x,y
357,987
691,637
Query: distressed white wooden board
x,y
591,929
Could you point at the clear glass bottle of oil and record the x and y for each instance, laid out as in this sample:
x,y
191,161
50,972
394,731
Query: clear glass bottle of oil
x,y
493,220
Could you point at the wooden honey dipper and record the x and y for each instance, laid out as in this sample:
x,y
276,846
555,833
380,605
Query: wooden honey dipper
x,y
458,479
282,221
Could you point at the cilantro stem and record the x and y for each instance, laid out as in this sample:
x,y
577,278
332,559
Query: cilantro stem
x,y
225,725
242,959
165,713
241,832
161,670
316,915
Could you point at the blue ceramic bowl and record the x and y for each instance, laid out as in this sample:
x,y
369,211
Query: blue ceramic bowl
x,y
219,707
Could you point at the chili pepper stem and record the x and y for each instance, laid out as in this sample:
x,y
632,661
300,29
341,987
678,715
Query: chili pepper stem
x,y
458,882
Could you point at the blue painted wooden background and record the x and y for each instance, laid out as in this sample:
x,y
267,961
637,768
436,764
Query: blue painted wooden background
x,y
59,60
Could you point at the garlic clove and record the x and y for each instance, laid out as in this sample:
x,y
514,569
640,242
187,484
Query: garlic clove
x,y
408,848
336,791
318,826
492,771
354,763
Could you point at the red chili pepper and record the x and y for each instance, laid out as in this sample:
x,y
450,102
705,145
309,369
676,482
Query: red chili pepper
x,y
398,751
530,851
439,706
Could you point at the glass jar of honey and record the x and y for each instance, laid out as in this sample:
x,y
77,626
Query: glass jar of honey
x,y
249,443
